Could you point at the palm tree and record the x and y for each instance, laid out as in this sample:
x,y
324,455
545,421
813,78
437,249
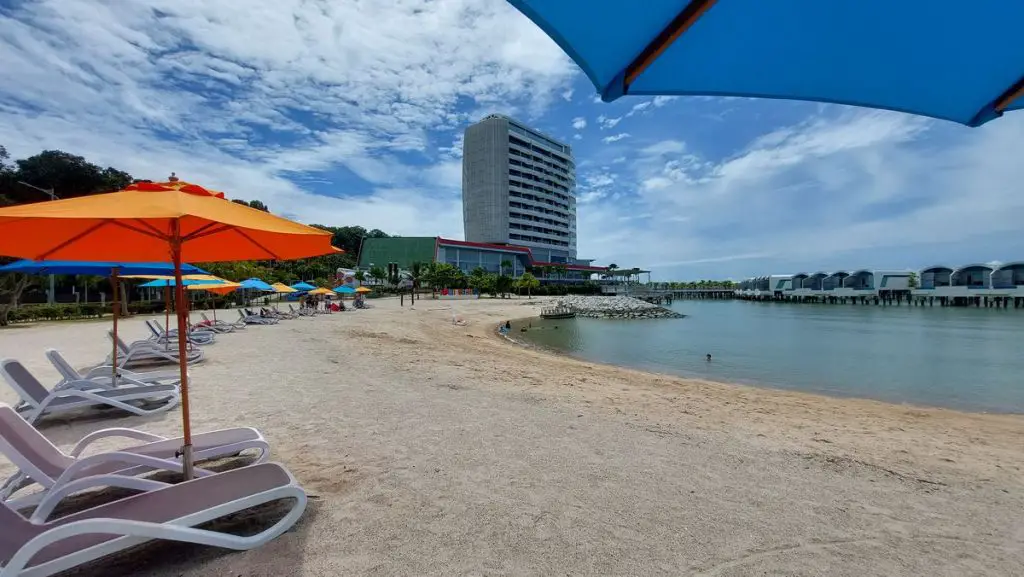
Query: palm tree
x,y
378,273
360,276
505,264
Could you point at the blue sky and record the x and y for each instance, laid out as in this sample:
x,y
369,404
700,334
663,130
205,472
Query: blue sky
x,y
346,113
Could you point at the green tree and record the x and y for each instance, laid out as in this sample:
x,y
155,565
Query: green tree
x,y
442,275
11,288
378,273
912,280
503,284
505,264
360,276
415,274
529,282
67,174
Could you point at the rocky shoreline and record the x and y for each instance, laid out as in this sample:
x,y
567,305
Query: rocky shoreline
x,y
615,307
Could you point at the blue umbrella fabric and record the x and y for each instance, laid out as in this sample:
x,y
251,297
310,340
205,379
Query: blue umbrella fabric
x,y
943,59
98,268
303,286
160,283
256,284
345,290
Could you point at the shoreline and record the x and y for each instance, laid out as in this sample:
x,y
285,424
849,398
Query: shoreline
x,y
756,385
767,388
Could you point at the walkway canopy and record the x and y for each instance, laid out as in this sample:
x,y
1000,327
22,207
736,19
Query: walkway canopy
x,y
945,59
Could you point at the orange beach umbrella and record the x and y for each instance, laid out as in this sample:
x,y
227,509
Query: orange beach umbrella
x,y
149,221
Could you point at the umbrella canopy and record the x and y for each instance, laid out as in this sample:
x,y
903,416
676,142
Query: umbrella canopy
x,y
363,289
303,286
150,221
186,280
280,287
222,288
321,291
950,61
143,222
255,284
125,269
345,290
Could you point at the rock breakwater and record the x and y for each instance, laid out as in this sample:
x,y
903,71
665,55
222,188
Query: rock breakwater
x,y
615,307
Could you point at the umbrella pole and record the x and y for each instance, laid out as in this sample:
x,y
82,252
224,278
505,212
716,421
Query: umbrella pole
x,y
179,290
117,312
167,315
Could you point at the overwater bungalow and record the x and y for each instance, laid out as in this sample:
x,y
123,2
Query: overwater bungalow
x,y
834,280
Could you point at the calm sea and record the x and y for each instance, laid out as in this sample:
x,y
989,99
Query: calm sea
x,y
970,359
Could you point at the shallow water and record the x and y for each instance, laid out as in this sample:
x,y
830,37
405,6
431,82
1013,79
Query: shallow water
x,y
960,358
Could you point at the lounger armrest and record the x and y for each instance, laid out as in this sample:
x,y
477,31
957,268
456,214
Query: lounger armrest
x,y
114,432
83,385
125,457
57,494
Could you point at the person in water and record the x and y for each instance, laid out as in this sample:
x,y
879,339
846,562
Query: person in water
x,y
709,357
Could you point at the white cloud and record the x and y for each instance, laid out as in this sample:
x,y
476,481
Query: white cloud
x,y
606,122
660,101
269,102
850,188
579,123
615,138
577,137
567,95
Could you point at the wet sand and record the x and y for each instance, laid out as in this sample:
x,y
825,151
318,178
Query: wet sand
x,y
438,449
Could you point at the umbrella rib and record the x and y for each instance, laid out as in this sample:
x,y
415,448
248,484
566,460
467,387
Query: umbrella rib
x,y
205,231
75,238
153,231
1007,98
679,25
273,256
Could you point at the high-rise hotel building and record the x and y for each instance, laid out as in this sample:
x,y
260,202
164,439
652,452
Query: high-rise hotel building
x,y
519,188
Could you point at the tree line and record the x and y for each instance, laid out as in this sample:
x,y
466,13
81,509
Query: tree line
x,y
65,175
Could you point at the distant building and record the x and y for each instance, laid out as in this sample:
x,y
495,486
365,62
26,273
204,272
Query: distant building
x,y
519,188
470,255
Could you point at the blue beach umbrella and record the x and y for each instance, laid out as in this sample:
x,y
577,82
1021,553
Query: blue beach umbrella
x,y
256,284
944,59
303,286
345,290
161,283
97,268
100,268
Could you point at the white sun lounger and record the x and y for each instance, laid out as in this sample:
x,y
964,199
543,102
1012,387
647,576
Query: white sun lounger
x,y
149,353
59,474
37,547
219,327
222,323
37,401
302,312
255,319
103,374
161,336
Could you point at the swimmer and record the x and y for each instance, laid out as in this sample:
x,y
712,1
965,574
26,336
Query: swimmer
x,y
709,357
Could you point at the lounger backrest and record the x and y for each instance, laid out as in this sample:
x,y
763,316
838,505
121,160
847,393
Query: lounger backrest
x,y
27,448
153,330
205,318
27,386
62,365
120,344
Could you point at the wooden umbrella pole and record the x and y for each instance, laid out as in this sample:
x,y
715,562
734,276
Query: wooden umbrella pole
x,y
179,290
117,312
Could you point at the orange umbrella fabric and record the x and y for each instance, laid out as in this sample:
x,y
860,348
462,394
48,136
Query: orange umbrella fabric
x,y
150,221
138,223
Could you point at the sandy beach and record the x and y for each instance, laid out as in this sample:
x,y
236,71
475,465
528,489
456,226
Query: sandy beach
x,y
436,449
